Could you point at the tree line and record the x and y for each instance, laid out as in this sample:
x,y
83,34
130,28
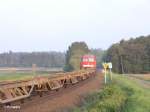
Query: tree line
x,y
24,59
130,56
69,60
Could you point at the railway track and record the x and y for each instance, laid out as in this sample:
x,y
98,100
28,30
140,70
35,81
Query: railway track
x,y
20,90
61,100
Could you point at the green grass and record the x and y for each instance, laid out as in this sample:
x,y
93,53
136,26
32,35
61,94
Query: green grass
x,y
12,76
122,95
138,99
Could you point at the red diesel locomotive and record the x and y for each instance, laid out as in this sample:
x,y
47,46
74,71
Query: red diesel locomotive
x,y
88,61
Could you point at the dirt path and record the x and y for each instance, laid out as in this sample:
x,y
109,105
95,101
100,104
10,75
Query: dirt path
x,y
143,83
64,99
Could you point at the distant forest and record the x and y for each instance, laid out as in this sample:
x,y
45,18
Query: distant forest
x,y
24,59
130,56
41,59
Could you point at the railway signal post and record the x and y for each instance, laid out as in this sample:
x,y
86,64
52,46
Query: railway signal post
x,y
105,65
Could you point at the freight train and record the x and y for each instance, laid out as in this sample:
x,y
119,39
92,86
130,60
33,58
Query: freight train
x,y
18,90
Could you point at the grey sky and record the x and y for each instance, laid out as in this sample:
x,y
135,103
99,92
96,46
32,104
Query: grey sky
x,y
43,25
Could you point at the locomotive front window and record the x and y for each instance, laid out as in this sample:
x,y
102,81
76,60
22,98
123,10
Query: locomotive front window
x,y
91,59
85,60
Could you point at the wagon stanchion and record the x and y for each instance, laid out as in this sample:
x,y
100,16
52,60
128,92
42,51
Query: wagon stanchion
x,y
34,70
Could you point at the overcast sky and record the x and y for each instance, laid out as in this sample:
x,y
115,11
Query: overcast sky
x,y
44,25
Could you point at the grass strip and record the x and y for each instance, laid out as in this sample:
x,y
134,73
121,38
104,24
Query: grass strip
x,y
121,95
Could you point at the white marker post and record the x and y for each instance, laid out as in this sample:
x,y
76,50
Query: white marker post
x,y
105,76
110,67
